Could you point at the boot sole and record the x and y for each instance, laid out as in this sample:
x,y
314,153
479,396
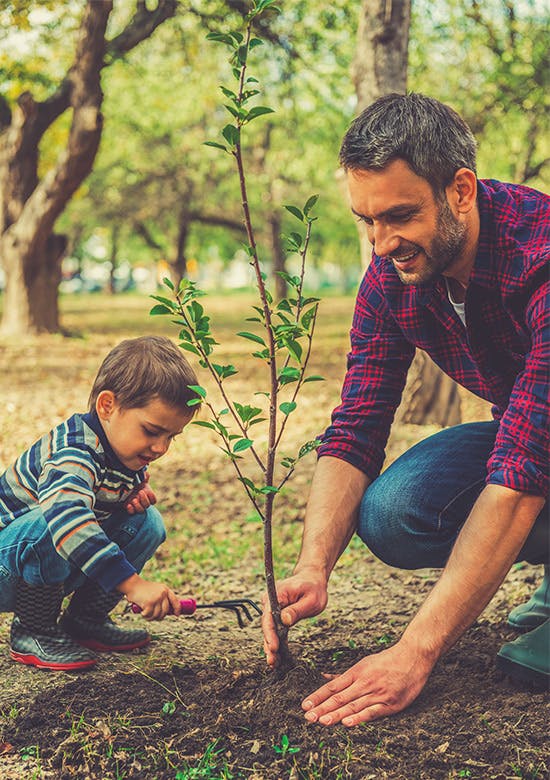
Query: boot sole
x,y
99,647
33,660
523,673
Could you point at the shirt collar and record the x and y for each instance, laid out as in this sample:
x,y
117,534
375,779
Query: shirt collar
x,y
484,271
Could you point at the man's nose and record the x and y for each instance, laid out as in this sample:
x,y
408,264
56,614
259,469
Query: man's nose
x,y
384,240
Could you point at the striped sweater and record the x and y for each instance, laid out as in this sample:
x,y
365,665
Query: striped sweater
x,y
75,478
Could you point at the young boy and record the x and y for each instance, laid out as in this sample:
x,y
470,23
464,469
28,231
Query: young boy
x,y
76,512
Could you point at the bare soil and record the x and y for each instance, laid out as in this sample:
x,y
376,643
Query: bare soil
x,y
199,702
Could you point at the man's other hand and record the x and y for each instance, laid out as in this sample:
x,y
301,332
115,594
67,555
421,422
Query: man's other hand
x,y
375,687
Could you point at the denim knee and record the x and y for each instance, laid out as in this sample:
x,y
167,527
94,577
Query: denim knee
x,y
138,536
27,551
400,529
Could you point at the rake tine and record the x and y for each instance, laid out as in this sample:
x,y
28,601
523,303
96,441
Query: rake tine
x,y
225,605
237,605
242,603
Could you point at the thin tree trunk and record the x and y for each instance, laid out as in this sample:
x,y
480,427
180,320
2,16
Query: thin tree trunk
x,y
278,255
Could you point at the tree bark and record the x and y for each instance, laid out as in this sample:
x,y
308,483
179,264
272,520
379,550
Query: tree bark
x,y
278,255
380,67
31,255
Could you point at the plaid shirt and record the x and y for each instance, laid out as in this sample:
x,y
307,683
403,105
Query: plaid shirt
x,y
502,355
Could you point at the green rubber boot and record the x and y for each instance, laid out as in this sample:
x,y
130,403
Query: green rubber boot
x,y
535,611
527,658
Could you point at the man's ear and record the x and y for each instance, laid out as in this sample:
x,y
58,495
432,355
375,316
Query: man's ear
x,y
105,404
462,191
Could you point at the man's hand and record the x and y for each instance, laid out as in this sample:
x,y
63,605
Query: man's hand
x,y
155,599
302,595
141,498
377,686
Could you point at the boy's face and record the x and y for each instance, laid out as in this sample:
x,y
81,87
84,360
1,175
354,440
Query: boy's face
x,y
140,434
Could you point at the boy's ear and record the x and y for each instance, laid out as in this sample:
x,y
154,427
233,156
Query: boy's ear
x,y
105,404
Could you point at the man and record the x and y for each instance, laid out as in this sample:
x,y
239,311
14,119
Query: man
x,y
459,268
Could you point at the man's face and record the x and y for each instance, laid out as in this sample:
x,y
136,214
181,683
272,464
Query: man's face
x,y
140,434
405,223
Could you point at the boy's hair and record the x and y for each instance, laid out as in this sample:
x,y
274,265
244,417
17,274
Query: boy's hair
x,y
428,135
138,370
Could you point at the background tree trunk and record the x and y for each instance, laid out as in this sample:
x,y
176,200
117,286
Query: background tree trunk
x,y
31,255
380,67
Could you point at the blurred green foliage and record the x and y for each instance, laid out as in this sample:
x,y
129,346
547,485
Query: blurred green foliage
x,y
156,181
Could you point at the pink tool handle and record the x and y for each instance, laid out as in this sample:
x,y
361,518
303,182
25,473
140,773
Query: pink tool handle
x,y
188,607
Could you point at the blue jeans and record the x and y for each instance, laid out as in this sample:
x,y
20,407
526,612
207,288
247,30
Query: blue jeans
x,y
27,551
411,515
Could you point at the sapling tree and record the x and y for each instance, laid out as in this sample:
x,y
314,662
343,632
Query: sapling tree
x,y
282,333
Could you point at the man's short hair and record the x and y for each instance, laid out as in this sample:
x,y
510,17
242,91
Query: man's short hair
x,y
141,369
428,135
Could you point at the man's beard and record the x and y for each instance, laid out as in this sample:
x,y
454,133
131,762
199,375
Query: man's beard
x,y
446,248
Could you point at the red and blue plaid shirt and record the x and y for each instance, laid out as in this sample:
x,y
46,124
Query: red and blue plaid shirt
x,y
502,355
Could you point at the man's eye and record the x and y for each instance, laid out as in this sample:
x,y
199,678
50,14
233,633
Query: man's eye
x,y
148,432
366,220
402,217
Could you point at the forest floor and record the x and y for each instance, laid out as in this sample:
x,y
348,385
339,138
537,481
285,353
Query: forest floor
x,y
199,701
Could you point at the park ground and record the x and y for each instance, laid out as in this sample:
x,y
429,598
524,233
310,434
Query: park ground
x,y
199,702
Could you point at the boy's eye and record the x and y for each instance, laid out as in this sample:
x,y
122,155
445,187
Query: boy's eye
x,y
148,432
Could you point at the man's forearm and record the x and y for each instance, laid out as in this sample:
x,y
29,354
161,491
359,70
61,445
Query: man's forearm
x,y
331,517
486,547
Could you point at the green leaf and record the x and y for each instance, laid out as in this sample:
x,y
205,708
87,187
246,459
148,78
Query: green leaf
x,y
231,134
268,489
314,378
221,37
204,424
243,444
194,402
198,390
295,350
215,145
255,42
160,308
166,301
287,407
288,374
168,282
252,337
242,53
232,110
189,348
257,111
295,212
248,483
310,204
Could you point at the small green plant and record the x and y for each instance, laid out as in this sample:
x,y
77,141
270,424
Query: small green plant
x,y
284,747
210,766
168,708
282,347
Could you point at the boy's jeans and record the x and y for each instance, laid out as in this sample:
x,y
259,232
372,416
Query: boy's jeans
x,y
27,551
412,513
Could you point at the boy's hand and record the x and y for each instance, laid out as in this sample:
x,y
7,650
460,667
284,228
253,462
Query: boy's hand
x,y
155,599
141,498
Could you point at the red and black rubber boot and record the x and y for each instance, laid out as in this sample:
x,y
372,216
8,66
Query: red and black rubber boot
x,y
36,638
